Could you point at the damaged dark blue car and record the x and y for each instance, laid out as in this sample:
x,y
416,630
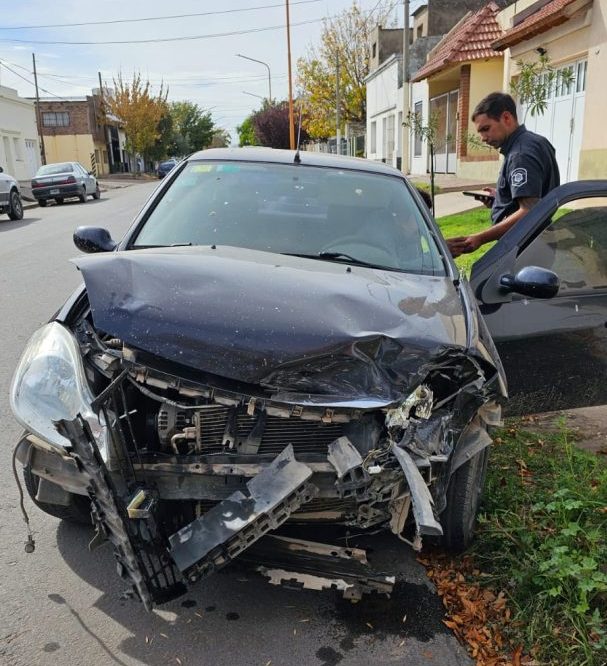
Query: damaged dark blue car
x,y
285,337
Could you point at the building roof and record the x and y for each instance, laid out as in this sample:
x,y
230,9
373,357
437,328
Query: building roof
x,y
547,15
470,39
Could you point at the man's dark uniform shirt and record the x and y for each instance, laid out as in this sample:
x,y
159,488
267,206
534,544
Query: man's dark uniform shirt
x,y
529,170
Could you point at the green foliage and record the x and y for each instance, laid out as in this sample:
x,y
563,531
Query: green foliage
x,y
543,539
344,38
140,111
192,128
537,81
246,133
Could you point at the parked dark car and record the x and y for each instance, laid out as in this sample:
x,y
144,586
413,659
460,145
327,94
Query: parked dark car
x,y
165,167
64,180
284,337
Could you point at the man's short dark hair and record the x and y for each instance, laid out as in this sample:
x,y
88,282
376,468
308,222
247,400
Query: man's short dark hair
x,y
494,105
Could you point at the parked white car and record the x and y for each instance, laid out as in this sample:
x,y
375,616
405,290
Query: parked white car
x,y
10,197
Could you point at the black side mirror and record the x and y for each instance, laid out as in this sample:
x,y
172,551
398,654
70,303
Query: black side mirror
x,y
1,170
532,281
93,239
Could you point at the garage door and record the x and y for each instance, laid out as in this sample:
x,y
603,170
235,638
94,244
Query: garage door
x,y
563,120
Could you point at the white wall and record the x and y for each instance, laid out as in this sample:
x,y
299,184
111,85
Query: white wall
x,y
19,145
384,110
419,93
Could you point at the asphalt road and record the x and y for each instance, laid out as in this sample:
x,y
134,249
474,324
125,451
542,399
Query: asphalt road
x,y
64,605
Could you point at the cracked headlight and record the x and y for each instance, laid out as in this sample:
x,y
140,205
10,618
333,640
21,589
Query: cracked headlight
x,y
49,384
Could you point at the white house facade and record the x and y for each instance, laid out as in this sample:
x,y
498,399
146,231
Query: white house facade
x,y
385,112
19,145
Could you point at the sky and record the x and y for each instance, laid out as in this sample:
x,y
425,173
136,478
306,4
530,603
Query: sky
x,y
204,70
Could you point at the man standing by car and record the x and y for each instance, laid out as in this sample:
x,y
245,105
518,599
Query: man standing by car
x,y
528,173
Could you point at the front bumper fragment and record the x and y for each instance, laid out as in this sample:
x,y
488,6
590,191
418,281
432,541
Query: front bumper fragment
x,y
229,528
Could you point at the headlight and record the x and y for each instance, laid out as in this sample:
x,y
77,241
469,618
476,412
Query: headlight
x,y
49,384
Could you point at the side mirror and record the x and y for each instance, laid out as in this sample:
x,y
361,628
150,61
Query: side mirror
x,y
1,170
93,239
532,281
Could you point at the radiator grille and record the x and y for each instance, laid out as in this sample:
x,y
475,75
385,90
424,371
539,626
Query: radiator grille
x,y
304,436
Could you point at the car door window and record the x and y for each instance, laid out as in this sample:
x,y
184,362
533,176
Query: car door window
x,y
574,246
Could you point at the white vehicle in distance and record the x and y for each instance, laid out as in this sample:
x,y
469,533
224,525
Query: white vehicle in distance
x,y
63,180
10,197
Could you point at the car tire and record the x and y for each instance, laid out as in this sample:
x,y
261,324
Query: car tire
x,y
82,195
15,211
42,202
59,200
77,511
463,498
97,192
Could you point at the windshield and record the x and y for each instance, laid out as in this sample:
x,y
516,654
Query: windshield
x,y
330,213
50,169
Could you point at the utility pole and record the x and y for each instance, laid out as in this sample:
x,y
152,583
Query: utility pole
x,y
291,123
38,113
405,130
337,121
106,142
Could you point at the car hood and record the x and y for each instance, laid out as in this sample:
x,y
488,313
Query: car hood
x,y
292,325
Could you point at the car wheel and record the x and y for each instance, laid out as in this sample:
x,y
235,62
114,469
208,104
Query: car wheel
x,y
77,511
82,195
463,498
59,200
42,202
97,192
15,211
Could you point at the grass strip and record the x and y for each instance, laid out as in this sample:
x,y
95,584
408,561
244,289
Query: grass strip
x,y
541,547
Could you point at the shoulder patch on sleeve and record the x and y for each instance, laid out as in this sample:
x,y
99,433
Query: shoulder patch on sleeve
x,y
518,177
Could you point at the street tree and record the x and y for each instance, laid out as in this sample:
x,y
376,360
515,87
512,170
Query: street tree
x,y
246,133
192,128
140,111
271,125
536,82
221,138
344,47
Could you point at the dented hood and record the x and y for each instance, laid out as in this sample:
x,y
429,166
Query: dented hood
x,y
296,325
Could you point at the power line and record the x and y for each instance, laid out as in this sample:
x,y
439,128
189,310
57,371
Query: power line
x,y
154,18
5,65
166,39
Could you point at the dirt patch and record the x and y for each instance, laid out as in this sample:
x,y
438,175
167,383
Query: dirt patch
x,y
588,426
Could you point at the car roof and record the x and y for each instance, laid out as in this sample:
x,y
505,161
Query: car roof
x,y
308,158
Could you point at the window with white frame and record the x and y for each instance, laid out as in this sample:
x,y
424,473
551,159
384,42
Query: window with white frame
x,y
56,119
373,138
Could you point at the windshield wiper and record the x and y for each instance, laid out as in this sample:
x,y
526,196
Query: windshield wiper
x,y
339,256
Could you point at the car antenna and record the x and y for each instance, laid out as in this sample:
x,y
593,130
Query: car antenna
x,y
297,159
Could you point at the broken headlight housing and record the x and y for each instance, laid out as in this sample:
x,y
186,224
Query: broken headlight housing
x,y
49,384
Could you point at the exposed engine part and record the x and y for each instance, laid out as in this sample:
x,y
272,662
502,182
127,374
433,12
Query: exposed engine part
x,y
352,477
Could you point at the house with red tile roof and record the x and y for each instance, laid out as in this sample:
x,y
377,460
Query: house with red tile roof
x,y
573,35
459,71
484,52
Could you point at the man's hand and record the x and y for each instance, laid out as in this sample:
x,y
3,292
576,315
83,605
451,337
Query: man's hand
x,y
463,244
489,199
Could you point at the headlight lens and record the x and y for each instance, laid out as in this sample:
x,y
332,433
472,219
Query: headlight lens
x,y
49,384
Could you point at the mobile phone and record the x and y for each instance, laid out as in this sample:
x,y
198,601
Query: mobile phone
x,y
478,195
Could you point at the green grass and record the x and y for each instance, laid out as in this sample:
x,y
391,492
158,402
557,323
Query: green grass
x,y
464,224
542,538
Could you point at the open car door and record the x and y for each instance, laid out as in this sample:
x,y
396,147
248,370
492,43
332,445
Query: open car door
x,y
542,290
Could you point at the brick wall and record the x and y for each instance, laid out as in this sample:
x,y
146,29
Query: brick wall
x,y
463,110
81,118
